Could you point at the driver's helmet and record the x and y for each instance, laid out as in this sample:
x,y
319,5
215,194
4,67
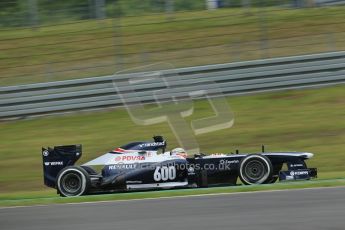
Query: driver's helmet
x,y
179,152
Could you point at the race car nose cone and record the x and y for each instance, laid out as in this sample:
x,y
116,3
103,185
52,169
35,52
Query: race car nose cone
x,y
308,155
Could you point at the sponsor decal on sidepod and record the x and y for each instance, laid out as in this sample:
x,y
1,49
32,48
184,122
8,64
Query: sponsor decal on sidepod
x,y
53,163
152,144
130,158
122,166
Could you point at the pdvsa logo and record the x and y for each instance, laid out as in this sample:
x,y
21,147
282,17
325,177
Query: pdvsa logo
x,y
130,158
118,158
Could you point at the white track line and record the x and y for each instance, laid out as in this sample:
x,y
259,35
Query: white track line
x,y
174,197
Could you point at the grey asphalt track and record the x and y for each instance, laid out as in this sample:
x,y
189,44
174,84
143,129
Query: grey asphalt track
x,y
290,209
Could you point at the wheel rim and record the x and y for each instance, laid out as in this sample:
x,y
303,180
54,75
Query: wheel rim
x,y
255,170
71,183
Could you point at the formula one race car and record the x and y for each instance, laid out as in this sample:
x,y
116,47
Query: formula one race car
x,y
146,165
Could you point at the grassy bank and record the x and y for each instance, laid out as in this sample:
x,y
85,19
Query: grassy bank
x,y
304,120
99,47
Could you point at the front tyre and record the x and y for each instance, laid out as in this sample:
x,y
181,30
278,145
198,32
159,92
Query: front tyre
x,y
255,169
73,181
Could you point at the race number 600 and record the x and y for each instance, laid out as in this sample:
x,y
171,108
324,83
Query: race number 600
x,y
164,173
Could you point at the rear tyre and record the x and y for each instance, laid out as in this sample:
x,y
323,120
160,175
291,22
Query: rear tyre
x,y
89,170
73,181
255,169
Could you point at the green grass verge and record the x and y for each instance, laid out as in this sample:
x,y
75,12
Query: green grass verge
x,y
40,198
302,120
96,47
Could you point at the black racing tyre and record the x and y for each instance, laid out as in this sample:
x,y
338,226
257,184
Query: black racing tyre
x,y
272,180
255,169
73,181
89,170
276,169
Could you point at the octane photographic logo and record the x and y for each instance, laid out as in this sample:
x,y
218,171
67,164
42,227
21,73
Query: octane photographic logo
x,y
171,102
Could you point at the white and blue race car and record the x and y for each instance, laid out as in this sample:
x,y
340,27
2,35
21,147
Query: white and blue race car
x,y
146,165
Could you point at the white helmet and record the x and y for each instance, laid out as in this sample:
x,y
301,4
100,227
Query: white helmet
x,y
179,152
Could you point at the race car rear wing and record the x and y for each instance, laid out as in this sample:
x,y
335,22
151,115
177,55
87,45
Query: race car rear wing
x,y
57,158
